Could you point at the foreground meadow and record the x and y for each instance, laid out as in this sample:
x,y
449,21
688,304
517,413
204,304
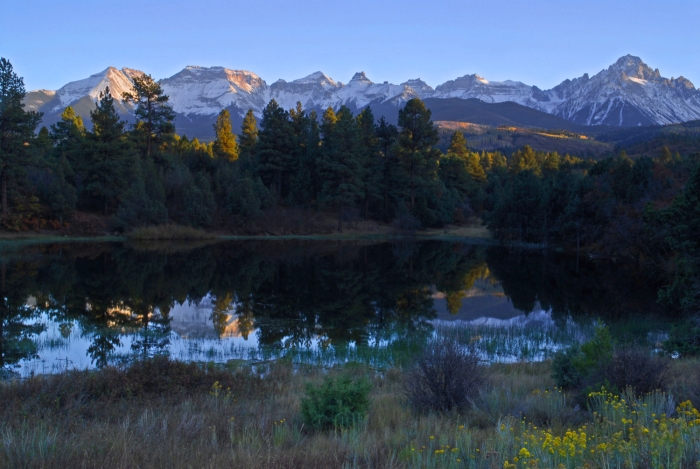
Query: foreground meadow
x,y
163,413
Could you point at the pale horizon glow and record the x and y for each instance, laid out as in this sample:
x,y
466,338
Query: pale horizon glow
x,y
539,43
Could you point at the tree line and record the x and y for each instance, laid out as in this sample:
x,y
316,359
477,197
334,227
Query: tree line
x,y
145,174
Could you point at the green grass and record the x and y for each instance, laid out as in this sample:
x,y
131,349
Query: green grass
x,y
163,413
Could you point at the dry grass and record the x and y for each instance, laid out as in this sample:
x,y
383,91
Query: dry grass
x,y
168,232
168,414
475,230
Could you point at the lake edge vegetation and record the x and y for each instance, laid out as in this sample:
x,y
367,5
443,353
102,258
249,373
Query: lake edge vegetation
x,y
208,415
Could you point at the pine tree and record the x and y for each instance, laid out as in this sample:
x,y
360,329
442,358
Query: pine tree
x,y
199,202
68,136
305,184
372,161
341,161
144,203
69,128
247,141
274,148
387,135
458,145
457,166
43,144
525,159
225,145
153,114
109,164
16,130
453,172
416,155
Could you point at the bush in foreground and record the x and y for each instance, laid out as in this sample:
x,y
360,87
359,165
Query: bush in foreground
x,y
447,376
337,403
574,366
637,369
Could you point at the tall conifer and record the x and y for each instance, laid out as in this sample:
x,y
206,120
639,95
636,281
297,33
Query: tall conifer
x,y
372,161
225,145
387,135
341,161
68,136
16,129
274,147
153,113
458,145
109,165
417,156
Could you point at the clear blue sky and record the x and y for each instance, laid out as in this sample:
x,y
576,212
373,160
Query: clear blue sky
x,y
539,42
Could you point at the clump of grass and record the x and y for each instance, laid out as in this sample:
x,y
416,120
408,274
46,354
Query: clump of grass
x,y
168,232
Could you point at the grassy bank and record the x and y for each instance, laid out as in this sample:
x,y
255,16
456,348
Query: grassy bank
x,y
174,232
169,232
162,413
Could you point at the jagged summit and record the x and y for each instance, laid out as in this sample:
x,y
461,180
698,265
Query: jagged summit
x,y
419,86
627,93
630,66
360,77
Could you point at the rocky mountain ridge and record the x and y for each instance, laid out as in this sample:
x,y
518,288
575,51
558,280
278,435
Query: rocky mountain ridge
x,y
628,93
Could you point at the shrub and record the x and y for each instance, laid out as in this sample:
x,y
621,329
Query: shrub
x,y
564,372
446,376
338,402
574,365
637,369
684,339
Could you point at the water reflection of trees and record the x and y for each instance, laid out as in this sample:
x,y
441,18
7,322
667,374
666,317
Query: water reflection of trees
x,y
573,287
289,293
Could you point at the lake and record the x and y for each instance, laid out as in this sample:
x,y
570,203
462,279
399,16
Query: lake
x,y
90,304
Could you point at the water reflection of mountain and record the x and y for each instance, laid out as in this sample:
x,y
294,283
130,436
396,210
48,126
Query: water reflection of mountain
x,y
485,299
193,320
288,294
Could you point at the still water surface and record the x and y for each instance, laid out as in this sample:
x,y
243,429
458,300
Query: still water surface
x,y
86,305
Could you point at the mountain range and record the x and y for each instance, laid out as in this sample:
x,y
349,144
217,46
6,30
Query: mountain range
x,y
628,93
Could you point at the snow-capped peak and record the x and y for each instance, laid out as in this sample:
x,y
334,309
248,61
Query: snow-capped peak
x,y
317,77
629,92
118,81
207,90
420,87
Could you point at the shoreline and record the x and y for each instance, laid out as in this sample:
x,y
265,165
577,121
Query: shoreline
x,y
478,234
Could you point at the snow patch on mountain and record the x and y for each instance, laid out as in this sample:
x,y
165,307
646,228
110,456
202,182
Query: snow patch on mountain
x,y
475,86
208,90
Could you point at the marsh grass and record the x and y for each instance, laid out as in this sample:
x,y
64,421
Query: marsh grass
x,y
169,232
163,413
